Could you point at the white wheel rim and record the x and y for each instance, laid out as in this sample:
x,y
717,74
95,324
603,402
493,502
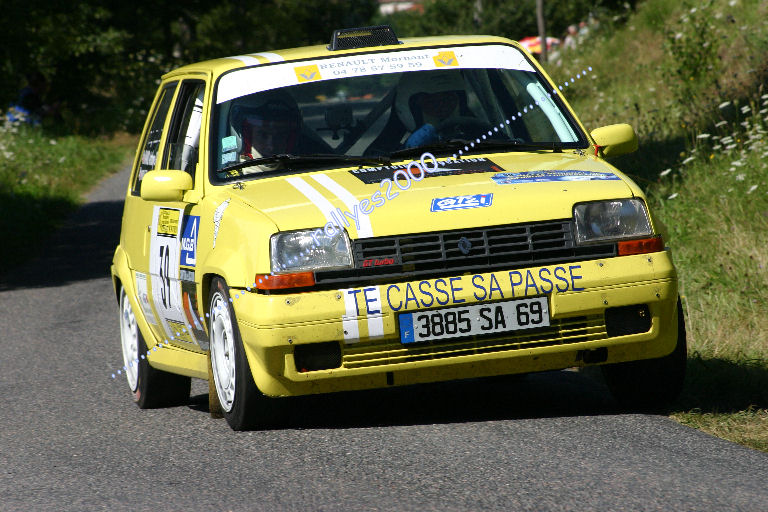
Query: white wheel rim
x,y
222,351
129,339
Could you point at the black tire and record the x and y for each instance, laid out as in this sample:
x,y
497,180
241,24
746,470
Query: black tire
x,y
240,401
650,384
152,388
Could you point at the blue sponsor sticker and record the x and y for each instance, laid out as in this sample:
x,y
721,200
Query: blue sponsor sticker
x,y
189,240
443,204
508,178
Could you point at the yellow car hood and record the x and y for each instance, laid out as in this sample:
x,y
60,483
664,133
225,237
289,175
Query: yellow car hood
x,y
548,188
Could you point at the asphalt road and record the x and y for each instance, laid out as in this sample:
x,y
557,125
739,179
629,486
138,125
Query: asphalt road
x,y
71,439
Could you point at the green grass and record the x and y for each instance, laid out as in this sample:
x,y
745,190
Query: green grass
x,y
692,81
42,180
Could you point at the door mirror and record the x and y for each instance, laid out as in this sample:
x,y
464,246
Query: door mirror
x,y
615,139
165,185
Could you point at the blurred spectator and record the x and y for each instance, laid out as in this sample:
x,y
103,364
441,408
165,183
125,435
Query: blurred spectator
x,y
571,38
30,106
583,29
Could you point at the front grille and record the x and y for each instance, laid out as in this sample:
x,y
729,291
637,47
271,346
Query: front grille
x,y
562,332
458,251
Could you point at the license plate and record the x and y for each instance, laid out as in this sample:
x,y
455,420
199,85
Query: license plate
x,y
457,322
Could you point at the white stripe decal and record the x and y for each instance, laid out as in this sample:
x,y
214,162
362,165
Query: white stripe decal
x,y
247,60
349,320
314,196
271,57
375,322
366,230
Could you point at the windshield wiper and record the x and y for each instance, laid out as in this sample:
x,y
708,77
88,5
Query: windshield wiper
x,y
460,144
284,158
517,145
448,145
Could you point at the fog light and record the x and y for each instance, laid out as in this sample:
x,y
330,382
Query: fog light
x,y
627,320
317,356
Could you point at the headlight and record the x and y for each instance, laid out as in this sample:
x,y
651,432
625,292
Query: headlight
x,y
310,250
611,220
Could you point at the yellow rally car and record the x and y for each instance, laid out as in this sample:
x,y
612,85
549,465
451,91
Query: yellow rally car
x,y
377,213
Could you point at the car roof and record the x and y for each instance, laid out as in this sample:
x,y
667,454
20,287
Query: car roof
x,y
218,66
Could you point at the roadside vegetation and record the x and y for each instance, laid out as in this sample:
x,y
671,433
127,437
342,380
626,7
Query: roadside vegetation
x,y
692,78
42,180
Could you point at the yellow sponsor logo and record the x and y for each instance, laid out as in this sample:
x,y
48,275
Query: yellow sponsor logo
x,y
444,59
179,331
168,222
307,73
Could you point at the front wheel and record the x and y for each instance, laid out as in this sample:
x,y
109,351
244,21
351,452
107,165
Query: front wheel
x,y
240,401
650,384
151,387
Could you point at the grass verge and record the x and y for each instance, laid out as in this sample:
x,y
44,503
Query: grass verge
x,y
43,179
691,78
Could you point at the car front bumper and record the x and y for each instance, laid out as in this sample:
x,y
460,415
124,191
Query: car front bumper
x,y
364,322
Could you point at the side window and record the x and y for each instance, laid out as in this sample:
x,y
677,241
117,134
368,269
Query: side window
x,y
183,139
155,133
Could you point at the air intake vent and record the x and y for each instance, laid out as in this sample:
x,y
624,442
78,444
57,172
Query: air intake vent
x,y
363,37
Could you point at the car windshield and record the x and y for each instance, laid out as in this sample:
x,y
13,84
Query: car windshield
x,y
361,109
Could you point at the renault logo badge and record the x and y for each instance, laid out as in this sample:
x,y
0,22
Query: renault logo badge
x,y
464,245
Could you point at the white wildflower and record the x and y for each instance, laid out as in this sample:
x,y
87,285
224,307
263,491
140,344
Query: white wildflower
x,y
665,172
693,10
730,147
673,196
726,140
53,142
745,109
751,189
732,169
724,104
732,3
721,123
737,163
678,36
740,177
703,136
764,110
689,159
717,147
764,96
61,160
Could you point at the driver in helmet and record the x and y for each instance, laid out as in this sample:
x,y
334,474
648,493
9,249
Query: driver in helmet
x,y
431,105
270,128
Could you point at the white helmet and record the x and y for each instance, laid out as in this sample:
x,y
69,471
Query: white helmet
x,y
424,82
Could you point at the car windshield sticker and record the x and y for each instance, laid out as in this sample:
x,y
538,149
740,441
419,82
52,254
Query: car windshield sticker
x,y
372,175
229,144
217,216
461,202
189,240
165,257
228,157
262,78
507,178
